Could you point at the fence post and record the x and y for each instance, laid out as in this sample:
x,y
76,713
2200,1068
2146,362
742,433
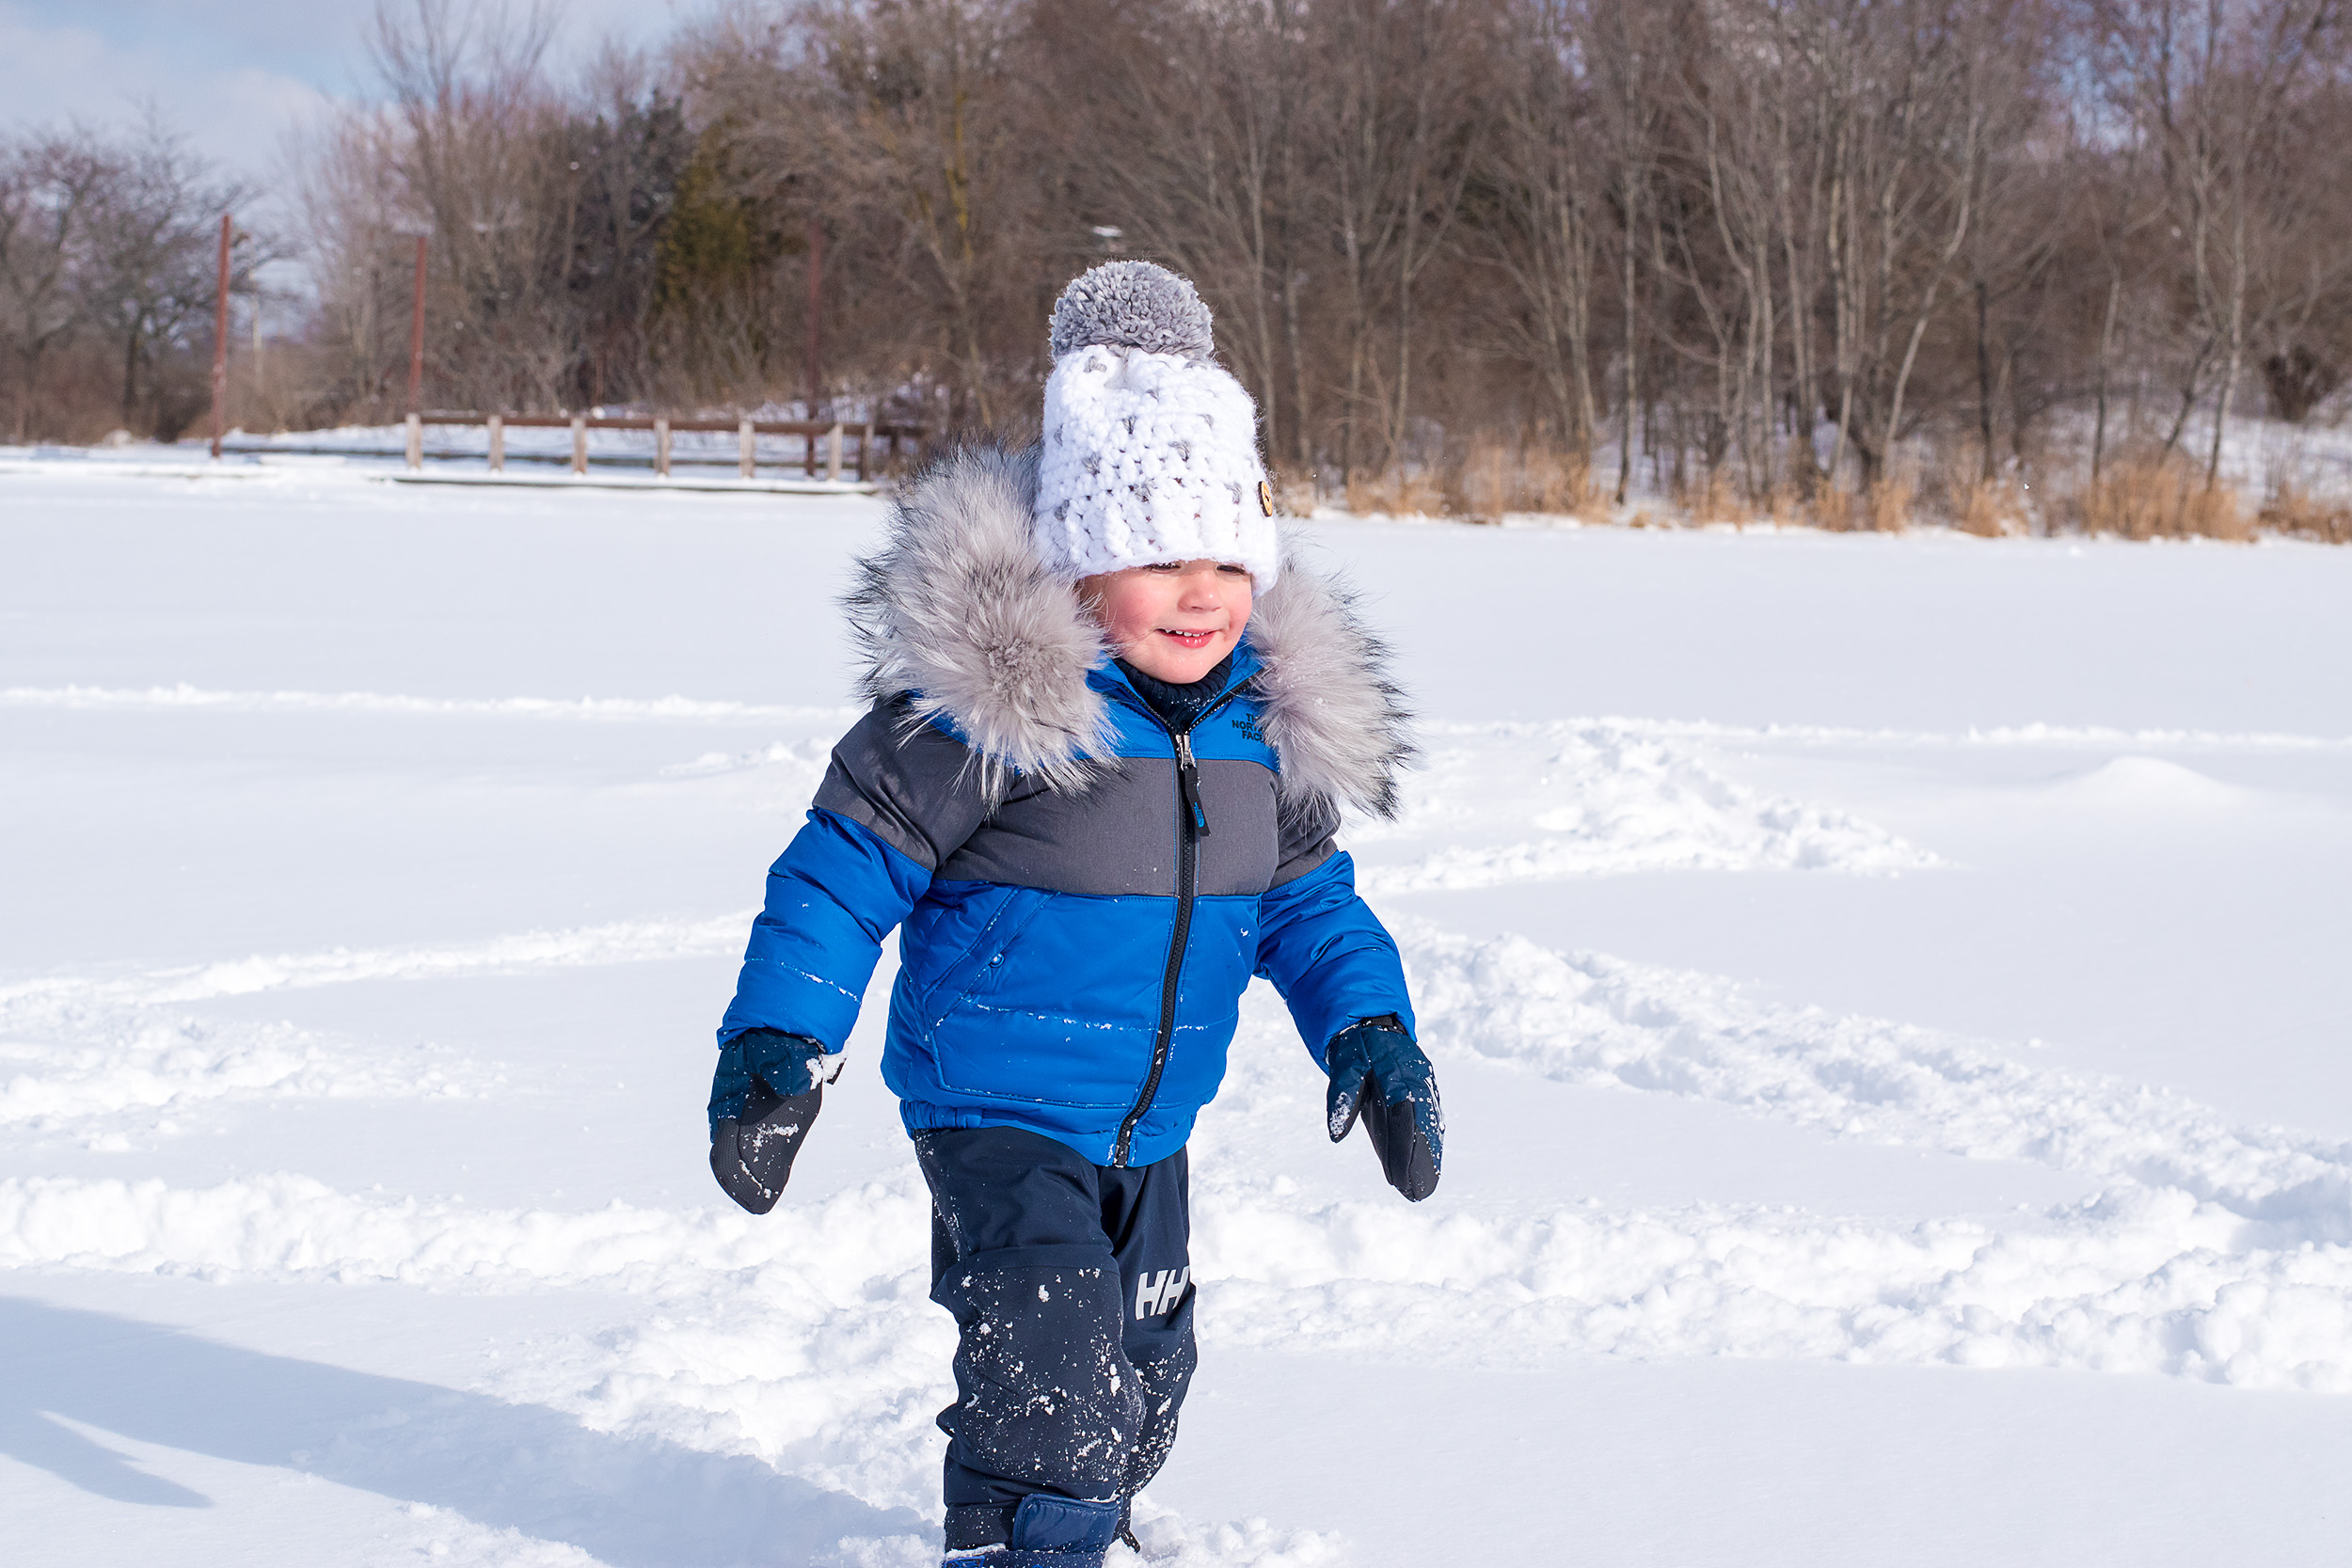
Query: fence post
x,y
865,446
744,440
833,453
416,440
416,335
661,445
497,443
580,443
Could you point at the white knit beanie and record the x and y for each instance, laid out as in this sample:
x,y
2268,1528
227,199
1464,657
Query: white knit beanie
x,y
1150,448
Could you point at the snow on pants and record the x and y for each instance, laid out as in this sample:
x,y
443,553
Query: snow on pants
x,y
1071,1284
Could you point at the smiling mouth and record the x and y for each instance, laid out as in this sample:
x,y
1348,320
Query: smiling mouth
x,y
1189,640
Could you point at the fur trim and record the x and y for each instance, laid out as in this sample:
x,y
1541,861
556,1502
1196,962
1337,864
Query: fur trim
x,y
1333,715
959,614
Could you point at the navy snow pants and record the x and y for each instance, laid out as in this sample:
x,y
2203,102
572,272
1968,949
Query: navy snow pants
x,y
1071,1284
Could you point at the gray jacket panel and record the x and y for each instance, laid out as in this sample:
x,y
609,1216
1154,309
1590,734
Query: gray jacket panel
x,y
1118,835
918,793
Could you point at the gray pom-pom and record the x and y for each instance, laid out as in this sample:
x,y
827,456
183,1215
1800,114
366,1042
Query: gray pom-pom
x,y
1132,305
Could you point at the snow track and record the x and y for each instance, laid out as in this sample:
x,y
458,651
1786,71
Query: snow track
x,y
2215,1252
1586,1018
182,697
94,1070
620,942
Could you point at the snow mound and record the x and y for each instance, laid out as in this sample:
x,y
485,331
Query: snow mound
x,y
2137,783
808,758
1601,798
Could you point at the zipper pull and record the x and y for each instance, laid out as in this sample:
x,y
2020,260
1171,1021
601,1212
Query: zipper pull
x,y
1188,782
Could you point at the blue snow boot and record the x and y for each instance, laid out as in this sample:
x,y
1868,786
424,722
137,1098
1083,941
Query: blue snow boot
x,y
1050,1533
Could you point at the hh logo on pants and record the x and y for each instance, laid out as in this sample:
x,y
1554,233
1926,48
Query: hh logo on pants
x,y
1161,1293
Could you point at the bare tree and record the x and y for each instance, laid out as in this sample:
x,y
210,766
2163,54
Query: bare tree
x,y
1542,180
108,254
2215,89
1181,140
50,188
480,126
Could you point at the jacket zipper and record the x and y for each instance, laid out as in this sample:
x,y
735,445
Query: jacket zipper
x,y
1192,826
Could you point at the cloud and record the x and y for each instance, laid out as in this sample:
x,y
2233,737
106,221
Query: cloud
x,y
236,75
54,72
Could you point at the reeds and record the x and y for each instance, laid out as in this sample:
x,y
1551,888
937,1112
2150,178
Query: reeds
x,y
1494,479
2160,495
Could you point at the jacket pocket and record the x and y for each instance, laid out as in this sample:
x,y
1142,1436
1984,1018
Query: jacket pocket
x,y
984,955
1059,1007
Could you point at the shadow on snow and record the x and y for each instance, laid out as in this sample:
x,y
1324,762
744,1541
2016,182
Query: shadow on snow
x,y
633,1502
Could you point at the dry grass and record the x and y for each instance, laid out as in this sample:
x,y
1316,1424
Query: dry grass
x,y
2143,494
1494,478
2295,511
1786,506
1990,509
1890,502
2153,495
1884,508
1714,500
1295,492
1397,494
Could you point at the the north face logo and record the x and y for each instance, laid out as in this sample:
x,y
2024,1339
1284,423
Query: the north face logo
x,y
1245,722
1161,1293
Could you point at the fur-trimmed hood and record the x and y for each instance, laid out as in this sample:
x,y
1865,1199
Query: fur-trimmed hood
x,y
959,614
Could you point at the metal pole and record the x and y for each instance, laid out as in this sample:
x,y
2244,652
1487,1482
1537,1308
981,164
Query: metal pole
x,y
416,336
220,340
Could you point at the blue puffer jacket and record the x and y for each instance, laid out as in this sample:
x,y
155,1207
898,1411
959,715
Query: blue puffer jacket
x,y
1082,895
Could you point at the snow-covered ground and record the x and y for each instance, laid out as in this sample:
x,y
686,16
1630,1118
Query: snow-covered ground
x,y
1890,996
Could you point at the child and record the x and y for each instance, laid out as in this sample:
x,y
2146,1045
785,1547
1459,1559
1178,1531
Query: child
x,y
1096,793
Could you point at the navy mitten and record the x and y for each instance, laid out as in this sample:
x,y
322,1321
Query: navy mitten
x,y
1379,1074
763,1098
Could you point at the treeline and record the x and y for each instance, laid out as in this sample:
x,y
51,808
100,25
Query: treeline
x,y
109,264
1478,253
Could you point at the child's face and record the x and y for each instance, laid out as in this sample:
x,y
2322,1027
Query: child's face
x,y
1172,621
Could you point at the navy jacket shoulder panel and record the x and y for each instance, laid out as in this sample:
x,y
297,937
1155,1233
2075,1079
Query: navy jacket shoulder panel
x,y
1308,837
909,783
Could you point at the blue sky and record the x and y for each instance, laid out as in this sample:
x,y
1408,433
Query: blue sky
x,y
235,76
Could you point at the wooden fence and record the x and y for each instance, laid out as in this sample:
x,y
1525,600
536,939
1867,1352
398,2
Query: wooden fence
x,y
835,436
